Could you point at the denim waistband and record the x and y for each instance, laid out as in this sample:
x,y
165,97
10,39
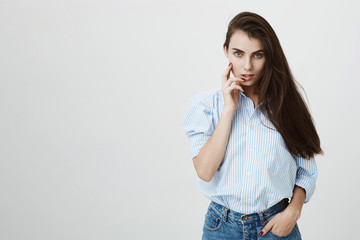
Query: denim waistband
x,y
253,217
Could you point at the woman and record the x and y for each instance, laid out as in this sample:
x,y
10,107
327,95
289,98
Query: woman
x,y
253,141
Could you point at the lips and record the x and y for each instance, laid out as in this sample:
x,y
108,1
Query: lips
x,y
247,77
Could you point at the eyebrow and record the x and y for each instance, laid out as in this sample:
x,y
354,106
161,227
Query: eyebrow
x,y
243,51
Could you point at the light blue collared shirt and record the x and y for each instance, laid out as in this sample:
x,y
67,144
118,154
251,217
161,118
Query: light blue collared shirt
x,y
257,170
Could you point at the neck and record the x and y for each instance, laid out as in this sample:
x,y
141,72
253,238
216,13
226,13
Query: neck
x,y
252,93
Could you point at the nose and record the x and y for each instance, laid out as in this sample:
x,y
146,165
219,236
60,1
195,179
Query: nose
x,y
247,64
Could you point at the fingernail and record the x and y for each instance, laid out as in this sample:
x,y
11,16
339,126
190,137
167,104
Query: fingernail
x,y
229,64
261,233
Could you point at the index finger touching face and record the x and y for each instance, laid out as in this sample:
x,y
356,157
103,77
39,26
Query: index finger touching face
x,y
226,74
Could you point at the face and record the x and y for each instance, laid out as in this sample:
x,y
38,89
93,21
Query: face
x,y
247,57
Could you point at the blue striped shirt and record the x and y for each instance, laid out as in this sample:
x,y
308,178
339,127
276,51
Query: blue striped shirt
x,y
257,171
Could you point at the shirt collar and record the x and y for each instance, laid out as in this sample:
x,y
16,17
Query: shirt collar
x,y
243,95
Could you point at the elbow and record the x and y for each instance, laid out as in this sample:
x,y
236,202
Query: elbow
x,y
208,179
202,172
205,178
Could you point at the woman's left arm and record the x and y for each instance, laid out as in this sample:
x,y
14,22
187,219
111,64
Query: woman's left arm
x,y
305,184
283,222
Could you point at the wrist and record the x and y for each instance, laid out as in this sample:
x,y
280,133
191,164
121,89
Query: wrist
x,y
229,111
295,211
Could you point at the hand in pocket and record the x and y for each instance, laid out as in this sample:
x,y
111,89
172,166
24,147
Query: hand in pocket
x,y
282,223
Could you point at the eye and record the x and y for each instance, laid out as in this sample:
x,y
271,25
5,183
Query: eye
x,y
236,53
258,55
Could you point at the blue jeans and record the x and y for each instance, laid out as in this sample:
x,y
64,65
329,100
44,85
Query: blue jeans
x,y
223,223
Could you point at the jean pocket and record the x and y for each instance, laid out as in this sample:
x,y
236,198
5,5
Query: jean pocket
x,y
213,220
294,234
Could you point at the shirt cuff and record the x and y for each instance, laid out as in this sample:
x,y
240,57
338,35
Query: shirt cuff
x,y
197,142
307,182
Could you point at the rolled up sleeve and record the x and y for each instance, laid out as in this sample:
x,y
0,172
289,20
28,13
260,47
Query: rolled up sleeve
x,y
198,122
306,175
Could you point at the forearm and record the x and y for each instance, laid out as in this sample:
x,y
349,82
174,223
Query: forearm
x,y
285,221
297,200
211,154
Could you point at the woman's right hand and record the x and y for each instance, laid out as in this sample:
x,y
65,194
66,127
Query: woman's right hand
x,y
231,91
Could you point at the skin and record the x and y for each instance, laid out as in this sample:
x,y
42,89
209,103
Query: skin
x,y
249,61
284,222
246,61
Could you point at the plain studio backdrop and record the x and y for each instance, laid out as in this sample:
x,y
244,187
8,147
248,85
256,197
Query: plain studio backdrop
x,y
92,96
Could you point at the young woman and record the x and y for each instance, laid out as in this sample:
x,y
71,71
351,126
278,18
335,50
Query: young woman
x,y
253,141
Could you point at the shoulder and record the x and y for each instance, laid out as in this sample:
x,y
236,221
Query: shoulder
x,y
207,97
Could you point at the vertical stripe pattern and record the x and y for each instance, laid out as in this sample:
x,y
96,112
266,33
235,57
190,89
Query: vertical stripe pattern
x,y
257,170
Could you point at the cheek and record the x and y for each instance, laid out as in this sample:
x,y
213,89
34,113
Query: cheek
x,y
235,69
260,66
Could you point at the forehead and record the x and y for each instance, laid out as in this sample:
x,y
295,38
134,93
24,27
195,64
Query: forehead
x,y
241,40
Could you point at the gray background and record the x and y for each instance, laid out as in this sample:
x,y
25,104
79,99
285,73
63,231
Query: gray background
x,y
92,95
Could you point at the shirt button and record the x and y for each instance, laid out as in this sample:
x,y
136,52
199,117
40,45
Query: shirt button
x,y
248,173
251,149
246,197
252,127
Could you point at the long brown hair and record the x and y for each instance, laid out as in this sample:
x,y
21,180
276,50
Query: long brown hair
x,y
281,101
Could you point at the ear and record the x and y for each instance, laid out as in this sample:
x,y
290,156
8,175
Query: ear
x,y
226,52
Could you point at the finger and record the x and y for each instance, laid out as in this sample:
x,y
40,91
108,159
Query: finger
x,y
226,74
233,79
267,228
232,87
235,85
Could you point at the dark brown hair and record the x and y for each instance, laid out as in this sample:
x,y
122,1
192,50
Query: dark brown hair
x,y
281,101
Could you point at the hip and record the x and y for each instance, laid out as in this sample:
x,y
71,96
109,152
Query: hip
x,y
224,223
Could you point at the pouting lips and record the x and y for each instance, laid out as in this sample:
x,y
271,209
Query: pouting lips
x,y
247,77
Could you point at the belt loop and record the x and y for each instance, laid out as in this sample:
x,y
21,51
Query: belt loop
x,y
225,214
261,217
